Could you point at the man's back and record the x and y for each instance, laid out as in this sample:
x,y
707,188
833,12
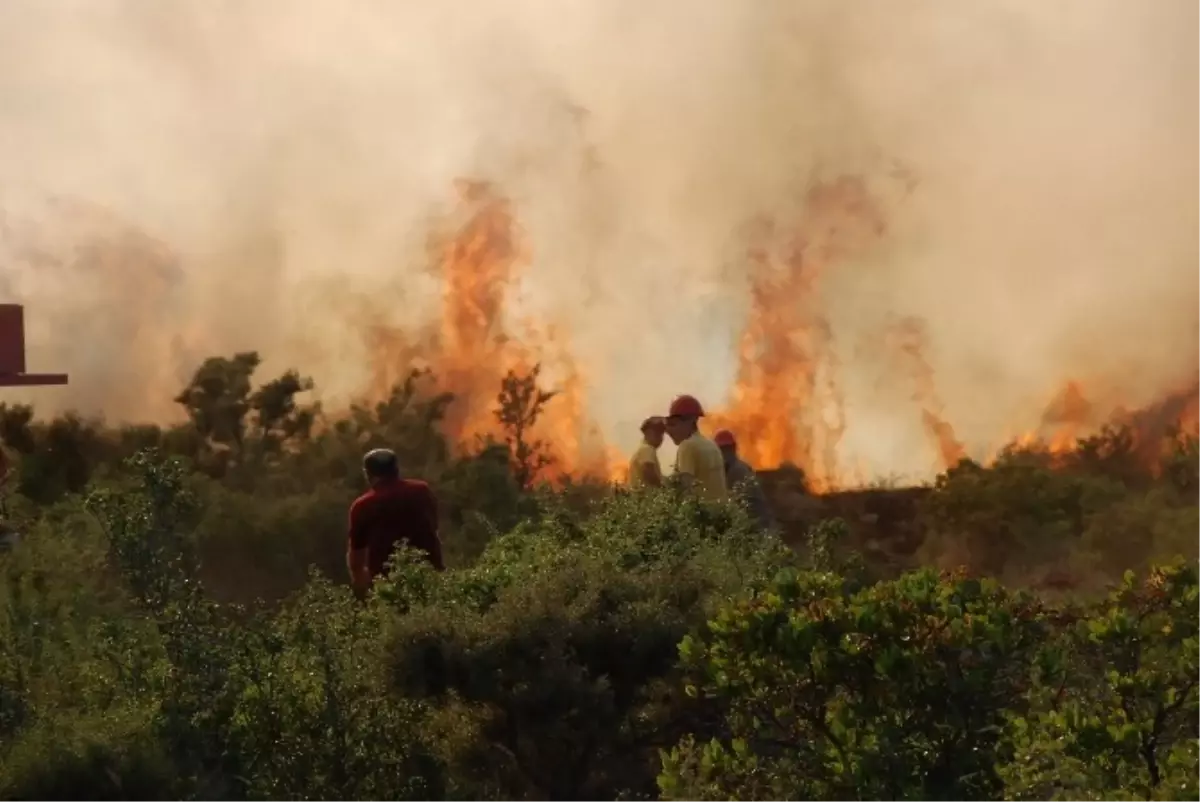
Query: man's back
x,y
738,472
701,459
646,454
397,510
743,481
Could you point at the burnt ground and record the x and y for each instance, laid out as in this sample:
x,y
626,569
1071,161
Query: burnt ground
x,y
885,528
883,522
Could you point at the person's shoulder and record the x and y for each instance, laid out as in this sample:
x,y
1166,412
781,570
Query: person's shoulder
x,y
416,487
741,472
365,500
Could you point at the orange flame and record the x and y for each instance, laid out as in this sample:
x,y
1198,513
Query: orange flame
x,y
787,392
1068,415
786,404
1071,417
471,350
786,398
908,338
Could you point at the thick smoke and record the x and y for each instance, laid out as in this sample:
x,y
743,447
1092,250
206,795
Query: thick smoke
x,y
263,175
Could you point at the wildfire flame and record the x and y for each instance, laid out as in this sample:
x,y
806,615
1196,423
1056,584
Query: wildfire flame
x,y
786,403
471,349
786,392
909,341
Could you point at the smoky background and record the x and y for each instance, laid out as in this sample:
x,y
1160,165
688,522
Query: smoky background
x,y
197,177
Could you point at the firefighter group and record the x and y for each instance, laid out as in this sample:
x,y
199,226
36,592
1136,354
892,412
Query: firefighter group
x,y
397,509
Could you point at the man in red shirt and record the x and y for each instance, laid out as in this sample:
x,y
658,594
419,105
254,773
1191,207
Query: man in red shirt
x,y
393,511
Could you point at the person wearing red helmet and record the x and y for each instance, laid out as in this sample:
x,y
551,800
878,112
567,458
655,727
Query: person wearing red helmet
x,y
698,461
644,469
741,479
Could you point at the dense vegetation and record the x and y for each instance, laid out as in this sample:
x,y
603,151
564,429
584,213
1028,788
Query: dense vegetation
x,y
175,622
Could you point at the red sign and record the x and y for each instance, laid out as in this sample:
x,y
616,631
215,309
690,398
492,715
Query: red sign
x,y
12,339
12,352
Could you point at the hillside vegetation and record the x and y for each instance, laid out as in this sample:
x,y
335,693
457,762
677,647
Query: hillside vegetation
x,y
175,621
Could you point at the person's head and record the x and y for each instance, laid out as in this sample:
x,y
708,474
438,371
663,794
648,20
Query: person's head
x,y
653,429
682,418
380,465
728,445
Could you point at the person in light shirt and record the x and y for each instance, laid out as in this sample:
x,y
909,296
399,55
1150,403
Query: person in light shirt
x,y
644,469
698,461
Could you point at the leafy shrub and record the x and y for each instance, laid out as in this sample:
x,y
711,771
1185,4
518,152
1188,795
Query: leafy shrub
x,y
314,719
128,681
75,670
111,755
1019,511
137,662
551,655
896,691
1118,711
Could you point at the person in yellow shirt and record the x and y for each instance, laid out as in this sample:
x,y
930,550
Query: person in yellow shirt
x,y
644,470
698,461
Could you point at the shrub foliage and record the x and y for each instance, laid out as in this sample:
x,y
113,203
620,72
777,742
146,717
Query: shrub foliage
x,y
175,623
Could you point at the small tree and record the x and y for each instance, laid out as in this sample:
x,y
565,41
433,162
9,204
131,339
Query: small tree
x,y
56,456
278,419
217,399
521,402
16,427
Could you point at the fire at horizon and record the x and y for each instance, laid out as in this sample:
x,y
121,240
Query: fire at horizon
x,y
786,402
787,399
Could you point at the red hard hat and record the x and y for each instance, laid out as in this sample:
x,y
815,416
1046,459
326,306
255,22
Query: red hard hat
x,y
686,406
725,438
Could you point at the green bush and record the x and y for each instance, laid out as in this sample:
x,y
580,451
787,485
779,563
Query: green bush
x,y
122,678
897,691
176,623
77,671
314,718
551,656
1016,515
1116,712
1090,516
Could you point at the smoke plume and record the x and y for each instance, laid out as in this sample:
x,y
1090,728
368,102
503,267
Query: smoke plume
x,y
867,235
